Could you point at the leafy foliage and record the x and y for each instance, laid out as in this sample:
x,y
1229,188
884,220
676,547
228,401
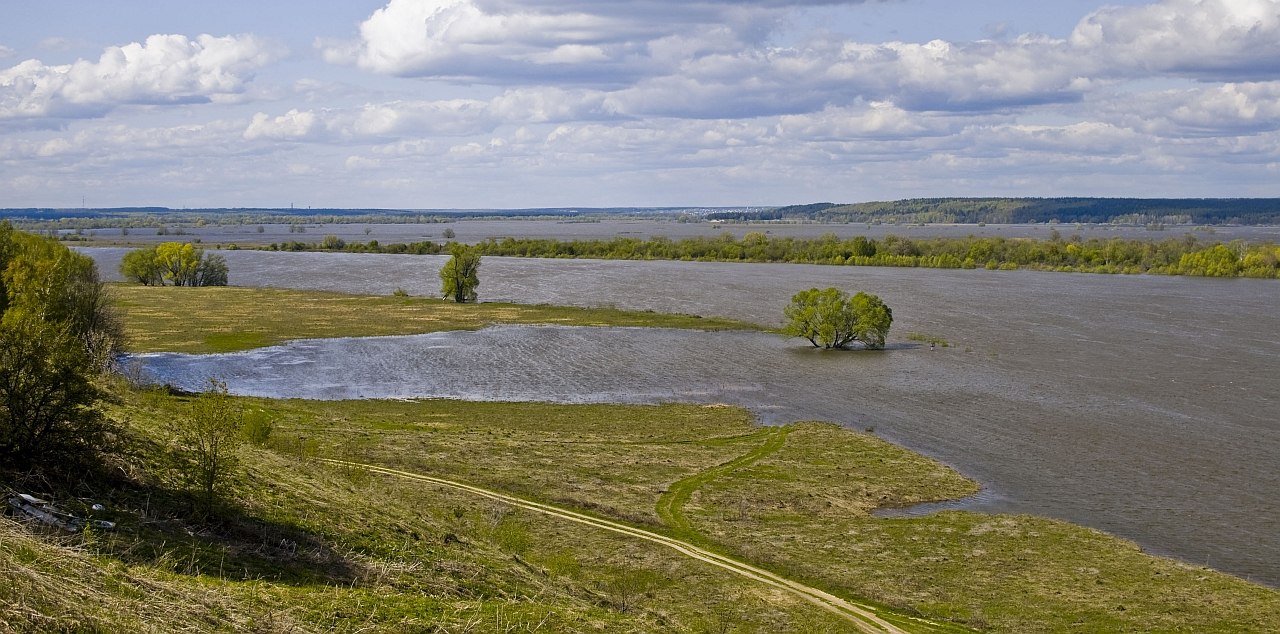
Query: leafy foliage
x,y
831,319
1177,256
57,329
179,263
46,397
211,436
460,275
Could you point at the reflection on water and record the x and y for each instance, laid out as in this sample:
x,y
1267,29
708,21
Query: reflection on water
x,y
1143,406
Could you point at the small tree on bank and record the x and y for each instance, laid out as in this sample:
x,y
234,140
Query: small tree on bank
x,y
831,319
460,275
212,438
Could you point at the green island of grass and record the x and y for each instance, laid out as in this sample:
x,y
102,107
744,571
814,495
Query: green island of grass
x,y
304,545
229,319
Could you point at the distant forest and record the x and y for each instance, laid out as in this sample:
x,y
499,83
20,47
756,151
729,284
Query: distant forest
x,y
1130,211
1136,211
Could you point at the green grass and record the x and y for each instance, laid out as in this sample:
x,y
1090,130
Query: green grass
x,y
310,547
301,546
228,319
801,506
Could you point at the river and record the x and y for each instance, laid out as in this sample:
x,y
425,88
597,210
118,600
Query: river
x,y
1144,406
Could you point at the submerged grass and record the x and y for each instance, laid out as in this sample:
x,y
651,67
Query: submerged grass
x,y
229,319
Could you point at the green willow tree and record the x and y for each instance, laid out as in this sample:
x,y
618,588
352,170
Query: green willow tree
x,y
831,319
460,276
178,263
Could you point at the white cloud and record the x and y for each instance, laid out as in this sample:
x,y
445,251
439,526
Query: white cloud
x,y
165,69
1226,109
355,162
512,43
292,126
1206,39
709,59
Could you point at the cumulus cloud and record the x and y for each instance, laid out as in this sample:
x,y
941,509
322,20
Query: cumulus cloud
x,y
165,69
1226,109
1204,39
510,42
292,126
711,59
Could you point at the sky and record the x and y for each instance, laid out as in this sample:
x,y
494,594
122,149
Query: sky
x,y
427,104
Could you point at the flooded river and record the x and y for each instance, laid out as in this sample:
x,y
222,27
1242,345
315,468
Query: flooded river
x,y
1144,406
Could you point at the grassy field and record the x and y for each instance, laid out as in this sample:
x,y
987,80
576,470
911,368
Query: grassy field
x,y
313,547
228,319
304,546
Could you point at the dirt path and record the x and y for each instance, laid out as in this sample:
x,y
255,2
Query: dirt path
x,y
671,504
863,617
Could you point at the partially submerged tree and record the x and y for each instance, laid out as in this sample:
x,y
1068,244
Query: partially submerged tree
x,y
460,275
179,263
140,266
831,319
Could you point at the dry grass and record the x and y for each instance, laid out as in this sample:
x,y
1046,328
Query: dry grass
x,y
308,547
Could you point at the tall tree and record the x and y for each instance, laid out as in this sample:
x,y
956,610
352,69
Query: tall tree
x,y
460,275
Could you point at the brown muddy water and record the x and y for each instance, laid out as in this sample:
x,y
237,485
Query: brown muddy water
x,y
1141,405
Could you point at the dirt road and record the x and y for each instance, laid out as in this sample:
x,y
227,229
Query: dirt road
x,y
863,617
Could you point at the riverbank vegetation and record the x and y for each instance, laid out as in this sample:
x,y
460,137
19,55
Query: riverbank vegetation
x,y
1174,256
227,319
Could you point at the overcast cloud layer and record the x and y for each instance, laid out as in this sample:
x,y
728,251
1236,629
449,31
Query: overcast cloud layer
x,y
506,103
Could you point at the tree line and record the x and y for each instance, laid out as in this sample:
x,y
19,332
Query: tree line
x,y
1174,256
1168,257
1253,211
